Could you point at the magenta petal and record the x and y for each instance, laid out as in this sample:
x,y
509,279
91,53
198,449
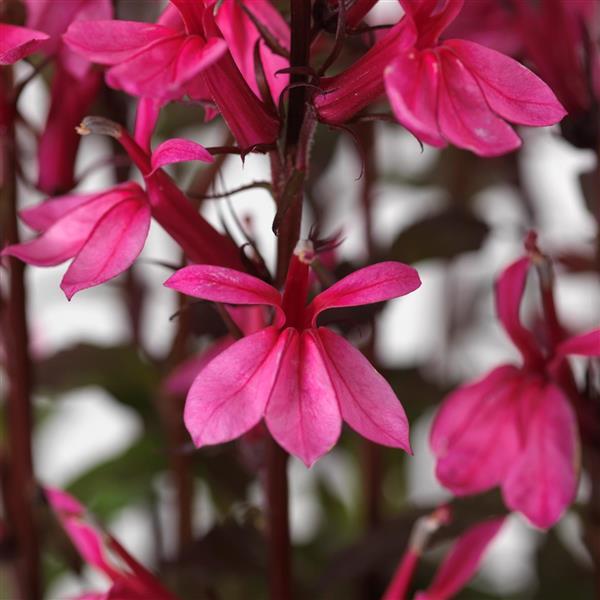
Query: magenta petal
x,y
511,90
543,480
509,293
229,396
179,150
376,283
585,344
302,413
18,42
462,561
367,402
411,83
45,214
113,245
464,117
475,435
146,116
112,42
220,284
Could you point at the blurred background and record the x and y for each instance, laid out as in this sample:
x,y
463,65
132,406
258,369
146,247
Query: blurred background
x,y
102,429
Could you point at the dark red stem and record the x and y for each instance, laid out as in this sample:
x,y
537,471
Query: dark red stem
x,y
20,494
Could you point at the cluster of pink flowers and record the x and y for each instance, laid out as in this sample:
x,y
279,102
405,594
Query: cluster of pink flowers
x,y
516,428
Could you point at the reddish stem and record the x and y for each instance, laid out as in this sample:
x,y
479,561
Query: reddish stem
x,y
21,488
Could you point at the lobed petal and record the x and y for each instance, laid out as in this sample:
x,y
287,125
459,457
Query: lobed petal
x,y
475,434
114,243
366,400
511,90
375,283
302,412
464,116
229,396
543,480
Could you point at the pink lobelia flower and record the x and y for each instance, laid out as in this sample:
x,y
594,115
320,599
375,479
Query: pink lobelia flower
x,y
130,580
103,233
303,379
515,427
184,54
452,91
18,42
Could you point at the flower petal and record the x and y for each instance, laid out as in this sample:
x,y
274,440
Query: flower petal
x,y
509,293
302,413
585,344
179,150
113,41
65,237
18,42
462,561
229,396
113,245
220,284
511,90
464,117
375,283
367,402
543,479
43,215
411,83
475,434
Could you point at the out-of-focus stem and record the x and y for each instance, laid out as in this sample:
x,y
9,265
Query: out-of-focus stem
x,y
21,489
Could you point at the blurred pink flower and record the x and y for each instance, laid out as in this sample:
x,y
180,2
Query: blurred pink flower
x,y
301,378
103,233
455,91
130,580
18,42
515,427
185,53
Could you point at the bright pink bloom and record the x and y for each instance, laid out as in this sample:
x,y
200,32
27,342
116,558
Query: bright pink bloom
x,y
185,54
515,427
462,561
130,580
18,42
454,91
301,378
103,234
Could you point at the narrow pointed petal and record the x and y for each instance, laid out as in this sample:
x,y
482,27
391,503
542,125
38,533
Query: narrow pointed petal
x,y
376,283
511,90
18,42
229,396
543,480
509,294
114,243
475,434
302,413
220,284
585,344
179,150
367,402
148,111
464,117
431,17
411,83
462,561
